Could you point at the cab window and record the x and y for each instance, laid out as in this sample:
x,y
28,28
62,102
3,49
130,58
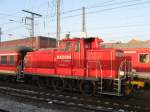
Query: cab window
x,y
68,46
3,59
77,47
12,60
144,58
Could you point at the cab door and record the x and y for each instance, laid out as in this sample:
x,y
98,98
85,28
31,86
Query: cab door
x,y
78,60
64,61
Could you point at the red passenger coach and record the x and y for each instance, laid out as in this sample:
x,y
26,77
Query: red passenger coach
x,y
11,60
140,58
8,62
80,64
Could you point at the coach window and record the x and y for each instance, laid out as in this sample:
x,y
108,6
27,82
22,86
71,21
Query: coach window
x,y
3,59
77,47
144,58
67,47
12,60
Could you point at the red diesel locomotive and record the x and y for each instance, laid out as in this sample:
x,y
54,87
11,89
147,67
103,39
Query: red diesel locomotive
x,y
78,64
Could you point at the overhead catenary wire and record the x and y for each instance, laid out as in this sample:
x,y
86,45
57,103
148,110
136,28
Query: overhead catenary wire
x,y
97,11
108,9
67,17
111,4
13,13
101,6
79,9
94,28
103,27
16,28
104,4
117,7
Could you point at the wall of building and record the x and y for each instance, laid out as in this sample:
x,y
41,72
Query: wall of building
x,y
33,42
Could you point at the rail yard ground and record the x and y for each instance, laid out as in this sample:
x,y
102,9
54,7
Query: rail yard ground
x,y
10,103
15,104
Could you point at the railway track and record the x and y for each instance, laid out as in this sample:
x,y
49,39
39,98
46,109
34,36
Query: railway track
x,y
104,104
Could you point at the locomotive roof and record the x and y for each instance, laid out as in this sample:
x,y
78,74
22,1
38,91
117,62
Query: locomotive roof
x,y
85,39
20,49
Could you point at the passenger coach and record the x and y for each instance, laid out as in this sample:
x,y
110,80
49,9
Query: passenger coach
x,y
11,61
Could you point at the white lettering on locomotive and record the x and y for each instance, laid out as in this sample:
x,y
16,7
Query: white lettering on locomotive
x,y
63,57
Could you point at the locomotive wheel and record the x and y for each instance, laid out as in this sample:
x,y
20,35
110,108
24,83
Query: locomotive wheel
x,y
58,84
87,88
48,83
41,83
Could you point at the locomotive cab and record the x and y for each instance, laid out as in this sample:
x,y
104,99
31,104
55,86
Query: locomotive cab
x,y
90,43
71,55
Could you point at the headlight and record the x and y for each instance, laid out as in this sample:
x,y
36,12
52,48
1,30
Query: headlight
x,y
122,73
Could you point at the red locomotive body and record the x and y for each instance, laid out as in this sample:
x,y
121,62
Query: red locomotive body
x,y
76,58
40,62
81,61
